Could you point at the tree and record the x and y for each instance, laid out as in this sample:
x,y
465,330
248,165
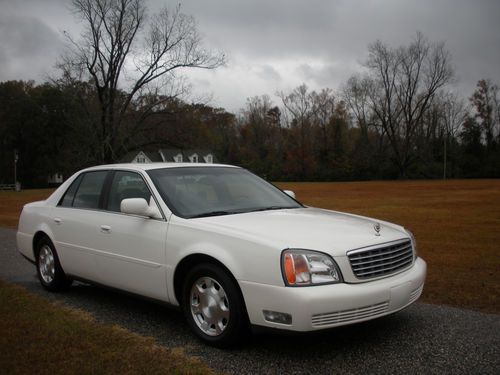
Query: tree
x,y
260,136
300,161
454,113
370,142
33,121
405,81
125,60
356,95
323,108
485,100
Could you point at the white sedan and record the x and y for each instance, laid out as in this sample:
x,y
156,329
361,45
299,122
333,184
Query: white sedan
x,y
226,246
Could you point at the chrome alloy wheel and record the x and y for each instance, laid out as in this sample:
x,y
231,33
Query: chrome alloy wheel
x,y
209,306
46,264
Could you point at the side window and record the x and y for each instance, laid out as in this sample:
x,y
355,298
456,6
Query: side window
x,y
89,191
126,185
67,200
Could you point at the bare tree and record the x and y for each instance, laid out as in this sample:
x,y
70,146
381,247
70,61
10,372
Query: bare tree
x,y
454,112
323,107
298,106
356,95
126,60
406,80
485,100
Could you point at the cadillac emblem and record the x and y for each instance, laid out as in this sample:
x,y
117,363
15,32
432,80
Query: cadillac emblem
x,y
376,226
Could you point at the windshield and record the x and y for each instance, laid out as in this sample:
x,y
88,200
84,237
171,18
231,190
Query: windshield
x,y
192,192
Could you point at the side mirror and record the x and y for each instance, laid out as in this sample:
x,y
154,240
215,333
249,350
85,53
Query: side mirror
x,y
139,206
290,193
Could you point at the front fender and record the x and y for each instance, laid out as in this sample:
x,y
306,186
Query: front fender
x,y
246,260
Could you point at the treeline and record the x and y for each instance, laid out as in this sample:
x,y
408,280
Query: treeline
x,y
310,136
397,119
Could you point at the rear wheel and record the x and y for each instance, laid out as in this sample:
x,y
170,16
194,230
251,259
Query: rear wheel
x,y
213,306
49,270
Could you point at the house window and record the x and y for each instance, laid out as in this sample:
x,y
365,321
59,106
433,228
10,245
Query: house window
x,y
210,159
141,159
194,158
178,158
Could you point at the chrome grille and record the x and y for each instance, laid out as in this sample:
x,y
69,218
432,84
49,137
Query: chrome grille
x,y
381,260
345,316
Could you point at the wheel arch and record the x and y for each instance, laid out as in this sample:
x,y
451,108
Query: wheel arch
x,y
190,261
36,238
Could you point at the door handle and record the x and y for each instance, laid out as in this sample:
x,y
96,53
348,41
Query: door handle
x,y
105,229
57,220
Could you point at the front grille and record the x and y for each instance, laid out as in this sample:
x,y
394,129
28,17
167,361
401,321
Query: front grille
x,y
345,316
381,260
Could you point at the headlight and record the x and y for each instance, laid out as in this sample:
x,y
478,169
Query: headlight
x,y
413,243
306,267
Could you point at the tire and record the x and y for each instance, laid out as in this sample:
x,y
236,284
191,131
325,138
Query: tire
x,y
48,267
213,306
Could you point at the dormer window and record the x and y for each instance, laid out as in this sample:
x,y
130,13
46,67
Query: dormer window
x,y
209,159
178,158
194,158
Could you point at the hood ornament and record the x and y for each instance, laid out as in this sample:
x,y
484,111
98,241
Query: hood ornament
x,y
376,227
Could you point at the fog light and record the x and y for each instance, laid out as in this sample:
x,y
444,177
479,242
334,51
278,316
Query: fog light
x,y
277,317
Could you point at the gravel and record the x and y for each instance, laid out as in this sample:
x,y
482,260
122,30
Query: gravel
x,y
423,338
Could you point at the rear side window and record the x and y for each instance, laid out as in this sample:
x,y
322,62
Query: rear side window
x,y
67,200
126,185
88,194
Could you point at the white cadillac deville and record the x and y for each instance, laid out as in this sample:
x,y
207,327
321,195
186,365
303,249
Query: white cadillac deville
x,y
226,246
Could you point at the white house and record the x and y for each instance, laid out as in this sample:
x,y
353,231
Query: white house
x,y
171,155
55,179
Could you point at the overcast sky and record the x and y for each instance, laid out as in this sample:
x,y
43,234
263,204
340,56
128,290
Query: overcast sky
x,y
275,45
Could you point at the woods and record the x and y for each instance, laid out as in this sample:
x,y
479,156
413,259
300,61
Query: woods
x,y
120,88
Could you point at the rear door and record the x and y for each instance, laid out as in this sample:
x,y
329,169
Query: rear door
x,y
75,224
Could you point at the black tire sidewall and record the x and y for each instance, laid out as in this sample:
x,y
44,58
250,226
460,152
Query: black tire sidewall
x,y
237,326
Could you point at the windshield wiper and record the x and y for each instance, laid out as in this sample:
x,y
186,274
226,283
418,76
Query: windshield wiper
x,y
212,213
268,208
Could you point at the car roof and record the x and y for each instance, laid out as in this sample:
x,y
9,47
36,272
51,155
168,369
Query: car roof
x,y
149,166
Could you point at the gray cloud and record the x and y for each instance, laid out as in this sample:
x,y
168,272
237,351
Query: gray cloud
x,y
277,45
268,73
29,48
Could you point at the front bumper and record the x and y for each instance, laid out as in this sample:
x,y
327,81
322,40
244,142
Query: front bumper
x,y
325,306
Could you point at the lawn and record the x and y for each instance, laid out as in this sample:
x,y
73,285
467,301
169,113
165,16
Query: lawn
x,y
456,223
40,337
11,204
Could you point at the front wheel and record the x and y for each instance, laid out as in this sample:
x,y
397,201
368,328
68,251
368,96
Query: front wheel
x,y
49,270
213,306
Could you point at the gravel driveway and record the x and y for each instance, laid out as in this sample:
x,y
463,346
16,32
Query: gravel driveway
x,y
424,338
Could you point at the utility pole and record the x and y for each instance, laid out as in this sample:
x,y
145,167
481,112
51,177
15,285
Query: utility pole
x,y
16,158
444,163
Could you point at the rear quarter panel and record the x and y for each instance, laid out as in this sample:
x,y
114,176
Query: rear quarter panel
x,y
34,218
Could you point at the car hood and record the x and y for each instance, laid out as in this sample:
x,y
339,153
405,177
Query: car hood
x,y
307,228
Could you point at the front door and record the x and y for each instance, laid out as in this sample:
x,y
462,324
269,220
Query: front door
x,y
132,248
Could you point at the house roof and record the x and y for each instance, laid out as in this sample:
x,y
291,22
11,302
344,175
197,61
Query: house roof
x,y
131,155
170,153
